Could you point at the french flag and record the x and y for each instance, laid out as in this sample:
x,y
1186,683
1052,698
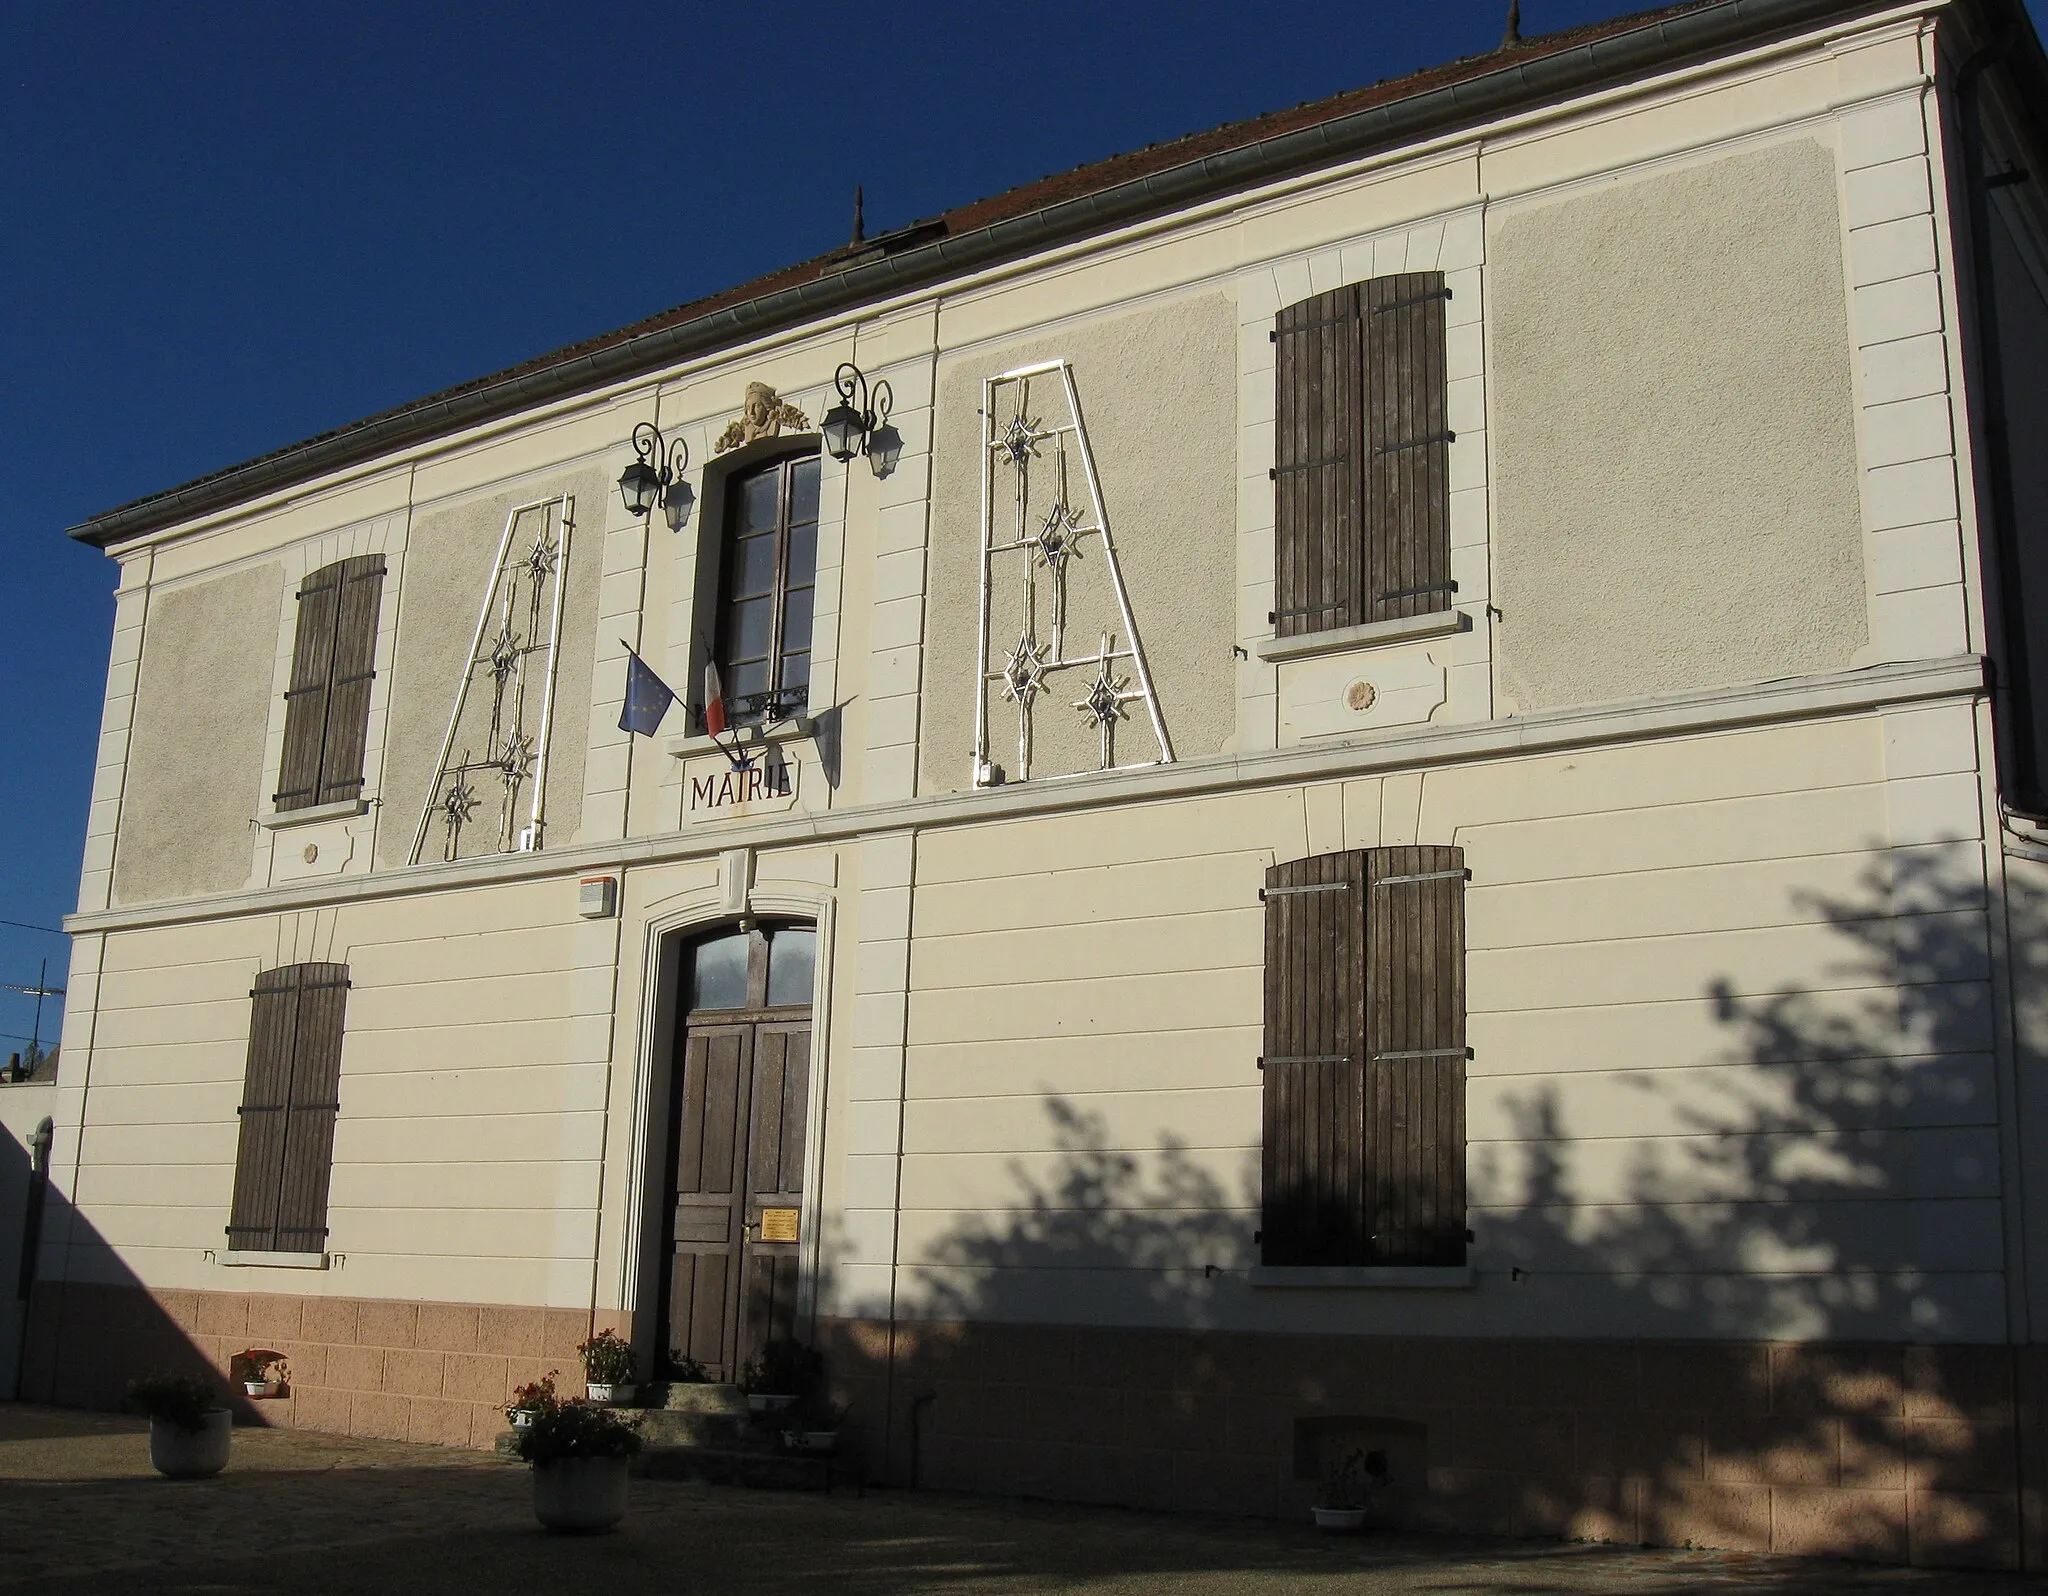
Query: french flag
x,y
714,699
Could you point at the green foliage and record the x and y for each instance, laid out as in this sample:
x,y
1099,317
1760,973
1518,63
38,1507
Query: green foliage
x,y
607,1360
784,1368
683,1369
1349,1481
577,1429
177,1399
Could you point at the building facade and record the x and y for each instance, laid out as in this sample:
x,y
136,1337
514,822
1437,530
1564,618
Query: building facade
x,y
1392,801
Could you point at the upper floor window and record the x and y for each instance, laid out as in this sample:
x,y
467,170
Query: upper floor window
x,y
1361,457
327,706
770,568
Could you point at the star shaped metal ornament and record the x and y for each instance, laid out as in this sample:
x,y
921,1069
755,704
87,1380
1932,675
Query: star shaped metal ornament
x,y
1105,701
515,759
1024,670
458,803
1020,439
505,652
540,559
1055,537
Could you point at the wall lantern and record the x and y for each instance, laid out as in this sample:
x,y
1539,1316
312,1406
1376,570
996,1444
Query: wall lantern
x,y
656,477
861,426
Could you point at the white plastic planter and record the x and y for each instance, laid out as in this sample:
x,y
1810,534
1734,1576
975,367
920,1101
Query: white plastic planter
x,y
611,1393
577,1495
191,1454
1341,1520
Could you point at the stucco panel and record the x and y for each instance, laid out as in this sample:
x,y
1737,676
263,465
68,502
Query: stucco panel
x,y
195,764
1159,395
448,555
1674,434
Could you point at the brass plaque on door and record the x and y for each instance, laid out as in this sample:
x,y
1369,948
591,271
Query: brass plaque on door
x,y
779,1224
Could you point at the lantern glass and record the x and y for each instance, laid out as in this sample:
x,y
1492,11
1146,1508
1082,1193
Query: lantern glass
x,y
639,486
842,430
676,504
885,449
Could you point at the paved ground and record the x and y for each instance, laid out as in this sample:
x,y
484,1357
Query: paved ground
x,y
81,1512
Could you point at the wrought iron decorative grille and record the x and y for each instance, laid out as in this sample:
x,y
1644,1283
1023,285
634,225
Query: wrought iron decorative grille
x,y
491,797
1031,450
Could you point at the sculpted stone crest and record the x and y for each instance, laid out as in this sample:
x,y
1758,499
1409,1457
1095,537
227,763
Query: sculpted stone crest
x,y
764,416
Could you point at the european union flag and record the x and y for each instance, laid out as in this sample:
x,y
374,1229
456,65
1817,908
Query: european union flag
x,y
647,698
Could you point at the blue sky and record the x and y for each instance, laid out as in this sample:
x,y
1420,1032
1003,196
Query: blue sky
x,y
226,227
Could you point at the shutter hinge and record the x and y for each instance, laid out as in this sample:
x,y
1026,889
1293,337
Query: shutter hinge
x,y
1258,1238
1417,443
1316,1058
1460,874
1272,335
1314,886
1428,1052
1419,299
1415,592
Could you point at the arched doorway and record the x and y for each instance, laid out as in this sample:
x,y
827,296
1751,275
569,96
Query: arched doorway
x,y
739,1099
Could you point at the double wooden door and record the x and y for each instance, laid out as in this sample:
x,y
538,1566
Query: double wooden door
x,y
742,1094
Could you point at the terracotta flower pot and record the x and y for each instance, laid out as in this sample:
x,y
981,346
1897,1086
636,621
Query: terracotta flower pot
x,y
579,1495
191,1454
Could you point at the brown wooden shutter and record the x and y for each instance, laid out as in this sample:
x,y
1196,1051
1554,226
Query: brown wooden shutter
x,y
1318,442
309,1124
288,1106
327,705
1407,509
1415,1041
348,701
1312,1159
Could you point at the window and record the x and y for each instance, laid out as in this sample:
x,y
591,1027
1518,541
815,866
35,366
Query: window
x,y
327,707
288,1110
769,574
1361,476
1363,1157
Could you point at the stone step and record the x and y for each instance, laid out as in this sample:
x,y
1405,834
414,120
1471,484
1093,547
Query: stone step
x,y
683,1427
704,1397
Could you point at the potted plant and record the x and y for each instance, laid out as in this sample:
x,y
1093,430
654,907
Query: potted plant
x,y
682,1369
579,1454
607,1367
189,1430
536,1396
783,1374
1349,1484
263,1373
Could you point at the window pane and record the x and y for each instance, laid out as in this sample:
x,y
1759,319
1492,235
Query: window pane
x,y
750,628
718,973
803,492
803,555
757,501
792,955
796,620
742,681
796,670
753,566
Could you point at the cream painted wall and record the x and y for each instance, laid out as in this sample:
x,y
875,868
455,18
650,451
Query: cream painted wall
x,y
1158,391
1729,1005
1674,437
448,554
195,759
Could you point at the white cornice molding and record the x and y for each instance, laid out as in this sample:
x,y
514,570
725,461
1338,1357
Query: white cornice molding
x,y
1853,692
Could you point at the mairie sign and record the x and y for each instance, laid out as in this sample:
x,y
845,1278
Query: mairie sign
x,y
712,787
